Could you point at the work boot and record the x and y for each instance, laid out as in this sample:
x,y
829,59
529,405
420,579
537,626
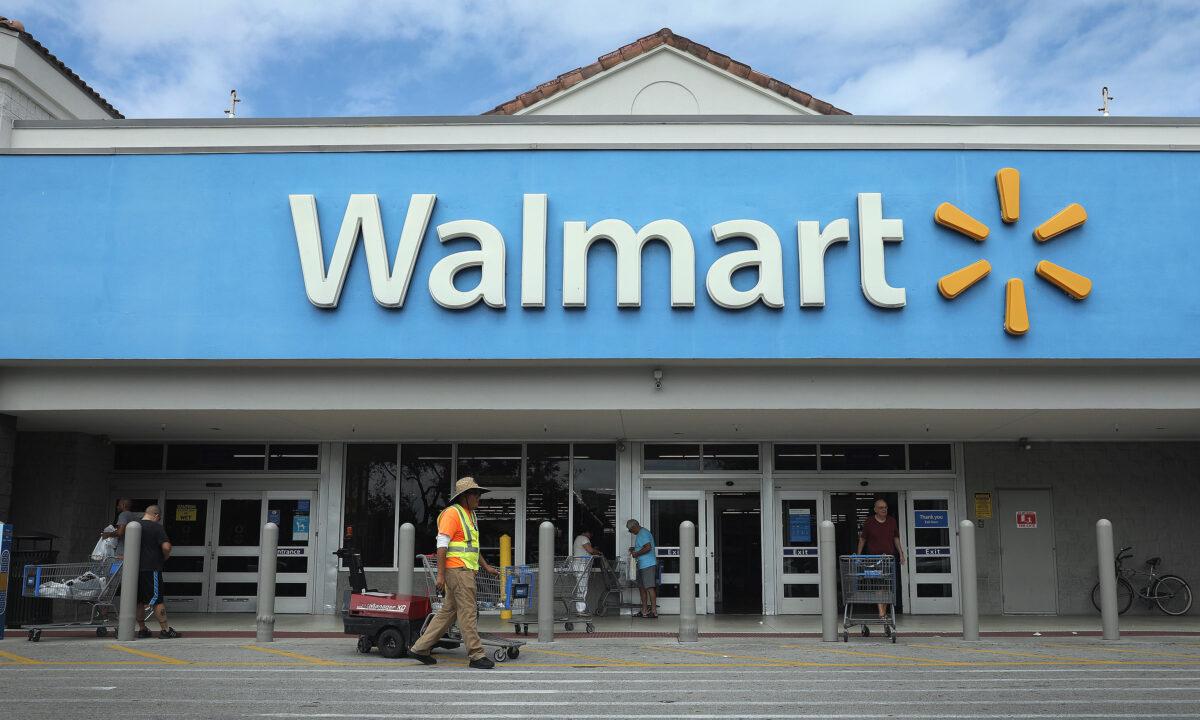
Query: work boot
x,y
425,659
482,664
168,634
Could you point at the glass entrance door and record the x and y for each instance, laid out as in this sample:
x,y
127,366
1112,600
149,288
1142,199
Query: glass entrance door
x,y
185,574
933,548
798,515
497,515
292,512
239,520
664,511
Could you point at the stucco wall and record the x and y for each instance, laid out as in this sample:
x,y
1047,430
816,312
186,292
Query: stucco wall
x,y
16,105
1148,490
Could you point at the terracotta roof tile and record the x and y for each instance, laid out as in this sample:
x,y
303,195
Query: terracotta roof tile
x,y
19,27
645,44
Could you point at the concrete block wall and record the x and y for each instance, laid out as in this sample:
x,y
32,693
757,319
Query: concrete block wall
x,y
8,443
60,485
1149,490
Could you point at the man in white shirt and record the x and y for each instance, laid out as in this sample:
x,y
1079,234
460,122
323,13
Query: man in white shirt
x,y
582,548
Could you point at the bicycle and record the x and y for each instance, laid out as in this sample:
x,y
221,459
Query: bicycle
x,y
1171,593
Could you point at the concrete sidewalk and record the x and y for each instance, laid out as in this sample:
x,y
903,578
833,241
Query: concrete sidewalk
x,y
242,625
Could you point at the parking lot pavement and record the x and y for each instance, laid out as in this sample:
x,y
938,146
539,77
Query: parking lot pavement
x,y
619,678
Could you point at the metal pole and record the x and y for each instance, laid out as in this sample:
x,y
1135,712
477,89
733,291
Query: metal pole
x,y
127,617
970,589
827,563
265,622
408,542
506,561
545,582
1108,579
687,582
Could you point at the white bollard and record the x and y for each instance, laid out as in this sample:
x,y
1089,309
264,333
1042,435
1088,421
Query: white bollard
x,y
828,562
545,583
1108,579
127,617
404,578
688,632
970,588
265,622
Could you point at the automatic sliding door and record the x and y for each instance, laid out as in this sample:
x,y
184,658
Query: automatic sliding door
x,y
293,513
185,574
235,583
799,514
665,510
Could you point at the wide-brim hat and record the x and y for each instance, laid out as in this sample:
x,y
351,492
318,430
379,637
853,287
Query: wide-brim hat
x,y
465,485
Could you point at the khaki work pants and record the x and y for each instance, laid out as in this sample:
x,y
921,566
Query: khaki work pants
x,y
459,604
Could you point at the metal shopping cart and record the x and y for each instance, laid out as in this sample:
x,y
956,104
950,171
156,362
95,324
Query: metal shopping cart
x,y
617,582
92,585
868,579
571,578
487,598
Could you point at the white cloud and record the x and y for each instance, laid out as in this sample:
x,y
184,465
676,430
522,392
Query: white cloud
x,y
156,58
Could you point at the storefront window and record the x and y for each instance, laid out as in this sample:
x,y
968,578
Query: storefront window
x,y
293,457
424,484
674,456
491,464
795,457
727,457
370,501
929,456
137,456
216,457
595,494
547,495
862,457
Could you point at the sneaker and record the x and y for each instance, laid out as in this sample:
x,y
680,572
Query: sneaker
x,y
425,659
482,664
143,633
168,634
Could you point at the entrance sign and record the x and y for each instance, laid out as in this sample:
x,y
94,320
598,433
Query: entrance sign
x,y
1027,519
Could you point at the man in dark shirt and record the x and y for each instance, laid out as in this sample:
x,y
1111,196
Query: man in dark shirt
x,y
156,548
880,535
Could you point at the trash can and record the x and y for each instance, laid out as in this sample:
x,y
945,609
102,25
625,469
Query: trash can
x,y
31,549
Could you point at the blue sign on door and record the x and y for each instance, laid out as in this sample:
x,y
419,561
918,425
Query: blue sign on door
x,y
300,524
931,518
799,525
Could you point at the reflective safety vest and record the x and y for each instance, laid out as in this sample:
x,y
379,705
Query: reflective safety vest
x,y
467,551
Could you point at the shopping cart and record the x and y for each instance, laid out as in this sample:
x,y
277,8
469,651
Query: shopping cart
x,y
571,578
868,579
616,583
487,597
88,585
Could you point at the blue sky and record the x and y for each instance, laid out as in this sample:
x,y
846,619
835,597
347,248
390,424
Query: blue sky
x,y
162,58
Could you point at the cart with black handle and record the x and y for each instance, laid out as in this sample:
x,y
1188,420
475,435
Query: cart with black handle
x,y
868,580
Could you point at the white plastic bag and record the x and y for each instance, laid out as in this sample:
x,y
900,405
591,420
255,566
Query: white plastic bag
x,y
106,547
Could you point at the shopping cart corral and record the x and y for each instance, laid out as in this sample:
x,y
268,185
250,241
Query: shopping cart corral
x,y
868,580
90,586
571,578
487,597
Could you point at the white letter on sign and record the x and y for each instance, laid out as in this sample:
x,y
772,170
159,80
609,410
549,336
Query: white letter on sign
x,y
813,244
489,258
362,216
767,257
873,232
578,238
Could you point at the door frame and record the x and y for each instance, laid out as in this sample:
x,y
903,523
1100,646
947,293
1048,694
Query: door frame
x,y
704,548
934,606
1000,512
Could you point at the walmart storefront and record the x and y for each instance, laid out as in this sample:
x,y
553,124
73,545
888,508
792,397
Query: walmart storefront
x,y
752,323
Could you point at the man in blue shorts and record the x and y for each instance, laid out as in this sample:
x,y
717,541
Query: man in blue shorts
x,y
156,548
642,552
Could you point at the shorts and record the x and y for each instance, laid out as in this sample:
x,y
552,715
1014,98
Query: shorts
x,y
149,590
647,577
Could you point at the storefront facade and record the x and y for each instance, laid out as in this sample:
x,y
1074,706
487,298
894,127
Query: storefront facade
x,y
754,324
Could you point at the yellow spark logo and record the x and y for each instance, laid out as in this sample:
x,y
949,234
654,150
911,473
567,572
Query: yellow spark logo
x,y
1016,313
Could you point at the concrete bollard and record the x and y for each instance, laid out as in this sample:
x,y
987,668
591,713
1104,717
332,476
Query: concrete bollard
x,y
268,544
687,582
970,588
130,565
1107,565
827,562
404,572
545,583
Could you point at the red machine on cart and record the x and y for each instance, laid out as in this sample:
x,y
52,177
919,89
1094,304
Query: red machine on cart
x,y
385,620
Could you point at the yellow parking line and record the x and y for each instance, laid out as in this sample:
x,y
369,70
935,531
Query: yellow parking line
x,y
295,656
1035,656
19,659
610,661
885,656
1154,653
149,655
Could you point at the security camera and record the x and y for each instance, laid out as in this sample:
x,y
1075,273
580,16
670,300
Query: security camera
x,y
658,379
1023,443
